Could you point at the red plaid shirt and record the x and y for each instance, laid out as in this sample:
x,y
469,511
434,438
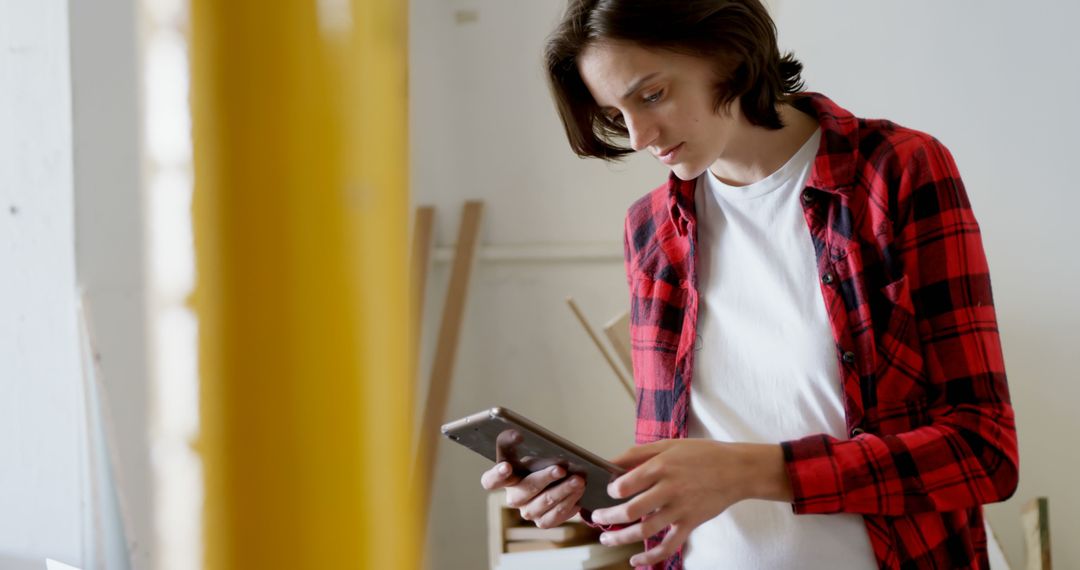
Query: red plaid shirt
x,y
907,289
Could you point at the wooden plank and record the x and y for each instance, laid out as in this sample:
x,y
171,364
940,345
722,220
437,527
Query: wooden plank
x,y
423,224
446,350
1035,518
618,334
600,346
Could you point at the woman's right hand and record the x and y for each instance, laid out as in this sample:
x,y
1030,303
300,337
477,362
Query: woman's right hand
x,y
546,506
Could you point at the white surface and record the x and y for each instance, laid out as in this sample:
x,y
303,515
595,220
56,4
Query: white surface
x,y
992,80
13,563
41,414
51,564
173,330
108,234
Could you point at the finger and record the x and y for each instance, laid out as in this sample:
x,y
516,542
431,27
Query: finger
x,y
641,478
564,509
499,476
651,525
634,509
506,444
668,546
519,495
640,453
547,499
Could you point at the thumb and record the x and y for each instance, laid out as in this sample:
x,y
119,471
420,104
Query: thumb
x,y
640,454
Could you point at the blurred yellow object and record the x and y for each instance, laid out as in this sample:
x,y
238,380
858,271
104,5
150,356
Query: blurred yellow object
x,y
300,135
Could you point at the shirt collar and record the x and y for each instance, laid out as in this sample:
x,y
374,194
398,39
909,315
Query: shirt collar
x,y
834,165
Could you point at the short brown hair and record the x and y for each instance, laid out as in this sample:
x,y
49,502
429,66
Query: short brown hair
x,y
738,34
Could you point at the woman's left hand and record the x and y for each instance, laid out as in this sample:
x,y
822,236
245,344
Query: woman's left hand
x,y
681,483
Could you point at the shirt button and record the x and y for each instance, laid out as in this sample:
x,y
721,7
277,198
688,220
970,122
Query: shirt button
x,y
849,357
827,279
807,196
857,432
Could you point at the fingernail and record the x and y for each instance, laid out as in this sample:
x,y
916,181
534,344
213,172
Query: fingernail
x,y
575,482
635,561
605,539
504,468
556,472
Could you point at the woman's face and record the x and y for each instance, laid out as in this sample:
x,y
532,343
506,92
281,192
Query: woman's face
x,y
666,101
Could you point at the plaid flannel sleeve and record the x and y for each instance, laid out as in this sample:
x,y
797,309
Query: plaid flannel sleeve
x,y
962,449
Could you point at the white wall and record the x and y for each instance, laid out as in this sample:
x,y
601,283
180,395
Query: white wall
x,y
41,414
109,237
992,80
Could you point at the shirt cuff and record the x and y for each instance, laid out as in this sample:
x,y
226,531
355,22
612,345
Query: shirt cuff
x,y
816,483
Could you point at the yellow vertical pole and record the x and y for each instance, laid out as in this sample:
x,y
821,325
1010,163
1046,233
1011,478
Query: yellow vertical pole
x,y
300,137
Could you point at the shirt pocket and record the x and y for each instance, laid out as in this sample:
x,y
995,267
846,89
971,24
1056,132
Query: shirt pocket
x,y
898,372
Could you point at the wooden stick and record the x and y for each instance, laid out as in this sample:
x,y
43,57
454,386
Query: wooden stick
x,y
596,340
1035,518
618,333
446,350
421,256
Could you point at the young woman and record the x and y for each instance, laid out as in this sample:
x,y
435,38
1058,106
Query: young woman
x,y
819,375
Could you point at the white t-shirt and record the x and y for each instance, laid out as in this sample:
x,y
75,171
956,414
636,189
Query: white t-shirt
x,y
765,369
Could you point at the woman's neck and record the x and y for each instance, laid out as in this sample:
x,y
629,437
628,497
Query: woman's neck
x,y
763,151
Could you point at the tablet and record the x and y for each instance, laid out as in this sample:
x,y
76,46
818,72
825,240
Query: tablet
x,y
502,435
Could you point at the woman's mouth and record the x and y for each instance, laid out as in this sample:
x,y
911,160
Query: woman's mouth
x,y
668,156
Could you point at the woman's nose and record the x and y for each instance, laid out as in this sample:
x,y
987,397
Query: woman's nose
x,y
642,132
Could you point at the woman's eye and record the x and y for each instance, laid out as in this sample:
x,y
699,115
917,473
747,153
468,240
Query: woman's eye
x,y
654,97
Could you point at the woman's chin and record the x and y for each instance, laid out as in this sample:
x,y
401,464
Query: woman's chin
x,y
686,171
